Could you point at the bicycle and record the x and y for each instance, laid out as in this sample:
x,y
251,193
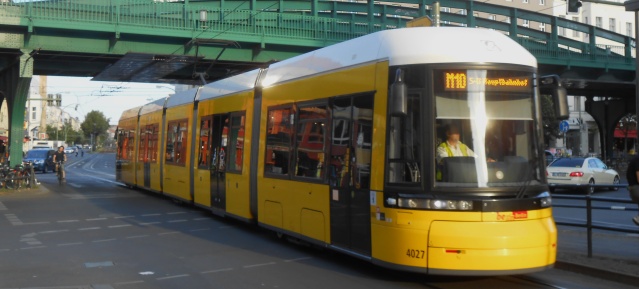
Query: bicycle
x,y
60,172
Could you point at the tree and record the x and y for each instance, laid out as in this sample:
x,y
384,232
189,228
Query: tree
x,y
94,125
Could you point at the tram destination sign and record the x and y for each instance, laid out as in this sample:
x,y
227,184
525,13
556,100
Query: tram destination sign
x,y
490,81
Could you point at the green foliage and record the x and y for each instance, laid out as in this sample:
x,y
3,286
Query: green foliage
x,y
64,132
95,123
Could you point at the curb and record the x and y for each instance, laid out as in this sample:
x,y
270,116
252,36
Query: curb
x,y
598,273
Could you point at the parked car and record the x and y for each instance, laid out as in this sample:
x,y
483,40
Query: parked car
x,y
550,157
580,173
69,150
42,159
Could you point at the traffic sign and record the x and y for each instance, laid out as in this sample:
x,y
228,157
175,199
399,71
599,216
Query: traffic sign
x,y
564,126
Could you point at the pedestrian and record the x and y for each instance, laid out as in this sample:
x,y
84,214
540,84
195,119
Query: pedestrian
x,y
632,174
82,153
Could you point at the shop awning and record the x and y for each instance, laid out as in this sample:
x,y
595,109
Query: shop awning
x,y
631,133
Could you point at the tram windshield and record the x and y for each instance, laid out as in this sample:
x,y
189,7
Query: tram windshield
x,y
484,128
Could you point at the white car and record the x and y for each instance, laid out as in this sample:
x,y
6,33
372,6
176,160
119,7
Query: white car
x,y
580,173
69,150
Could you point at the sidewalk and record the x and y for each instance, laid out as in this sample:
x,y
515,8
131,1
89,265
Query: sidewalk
x,y
615,257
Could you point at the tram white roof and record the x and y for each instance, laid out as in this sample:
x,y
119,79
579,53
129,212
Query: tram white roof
x,y
131,112
153,106
418,45
182,97
242,82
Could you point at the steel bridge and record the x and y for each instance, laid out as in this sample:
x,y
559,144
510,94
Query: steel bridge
x,y
198,41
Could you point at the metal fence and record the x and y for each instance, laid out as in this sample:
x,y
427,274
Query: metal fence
x,y
589,224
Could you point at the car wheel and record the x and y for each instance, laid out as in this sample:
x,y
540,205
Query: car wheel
x,y
615,182
590,189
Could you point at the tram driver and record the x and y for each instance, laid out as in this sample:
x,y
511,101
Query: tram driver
x,y
453,147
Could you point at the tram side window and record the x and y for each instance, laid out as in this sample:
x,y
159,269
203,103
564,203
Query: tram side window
x,y
142,145
176,142
278,140
130,146
404,153
236,143
153,142
205,132
310,145
121,138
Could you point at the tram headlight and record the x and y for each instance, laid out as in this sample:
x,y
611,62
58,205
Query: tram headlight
x,y
545,200
453,205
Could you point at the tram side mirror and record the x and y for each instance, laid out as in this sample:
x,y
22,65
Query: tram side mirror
x,y
399,95
560,101
551,85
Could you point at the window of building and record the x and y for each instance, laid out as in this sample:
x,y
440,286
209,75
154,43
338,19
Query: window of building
x,y
524,1
542,27
599,22
629,29
542,2
612,24
176,142
575,33
525,22
492,17
561,30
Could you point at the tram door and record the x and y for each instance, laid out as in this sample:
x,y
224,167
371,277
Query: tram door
x,y
349,173
143,154
219,148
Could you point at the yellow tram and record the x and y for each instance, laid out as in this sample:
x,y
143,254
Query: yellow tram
x,y
338,147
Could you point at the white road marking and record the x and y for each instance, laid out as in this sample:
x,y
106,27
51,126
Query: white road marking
x,y
216,271
172,277
89,228
259,265
148,223
103,240
136,236
119,226
177,221
13,219
68,221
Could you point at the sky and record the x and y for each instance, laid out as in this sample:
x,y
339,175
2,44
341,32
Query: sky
x,y
80,95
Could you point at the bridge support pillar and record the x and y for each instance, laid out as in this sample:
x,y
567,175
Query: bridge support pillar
x,y
607,113
15,79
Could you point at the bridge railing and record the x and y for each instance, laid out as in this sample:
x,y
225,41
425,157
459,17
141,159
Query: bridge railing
x,y
299,23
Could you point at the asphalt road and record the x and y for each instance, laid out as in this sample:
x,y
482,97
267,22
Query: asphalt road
x,y
94,233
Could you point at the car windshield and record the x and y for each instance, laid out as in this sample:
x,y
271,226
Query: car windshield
x,y
36,154
568,163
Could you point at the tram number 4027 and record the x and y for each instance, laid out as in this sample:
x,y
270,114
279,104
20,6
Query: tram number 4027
x,y
417,254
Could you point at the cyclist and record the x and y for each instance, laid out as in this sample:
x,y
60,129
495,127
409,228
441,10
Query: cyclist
x,y
59,158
